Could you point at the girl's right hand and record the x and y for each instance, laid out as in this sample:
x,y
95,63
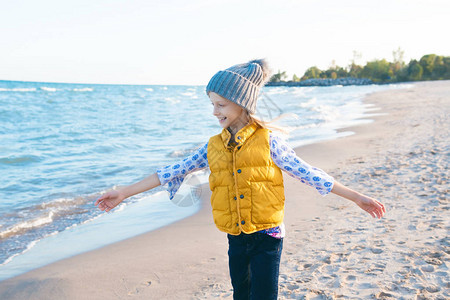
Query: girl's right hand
x,y
109,200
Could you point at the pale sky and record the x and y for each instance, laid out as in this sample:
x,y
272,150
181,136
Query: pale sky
x,y
186,42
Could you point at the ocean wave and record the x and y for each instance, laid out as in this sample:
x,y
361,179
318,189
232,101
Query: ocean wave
x,y
190,94
62,203
18,90
83,90
149,89
172,100
302,90
16,160
43,220
48,89
44,214
27,225
325,113
276,90
310,103
29,246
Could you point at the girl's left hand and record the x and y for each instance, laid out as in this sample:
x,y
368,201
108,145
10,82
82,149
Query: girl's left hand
x,y
374,207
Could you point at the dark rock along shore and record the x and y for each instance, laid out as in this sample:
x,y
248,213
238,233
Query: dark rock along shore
x,y
324,82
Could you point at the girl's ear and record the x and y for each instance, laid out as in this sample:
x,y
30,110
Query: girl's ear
x,y
246,115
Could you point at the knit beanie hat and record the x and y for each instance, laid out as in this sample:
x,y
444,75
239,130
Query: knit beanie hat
x,y
241,83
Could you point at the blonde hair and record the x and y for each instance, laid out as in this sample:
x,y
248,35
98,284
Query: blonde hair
x,y
269,124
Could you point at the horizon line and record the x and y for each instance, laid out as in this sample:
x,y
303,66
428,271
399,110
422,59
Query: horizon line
x,y
84,83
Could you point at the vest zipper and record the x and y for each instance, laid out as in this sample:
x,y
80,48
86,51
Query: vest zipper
x,y
236,188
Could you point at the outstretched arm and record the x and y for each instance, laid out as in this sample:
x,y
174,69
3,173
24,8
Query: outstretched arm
x,y
373,207
287,160
113,198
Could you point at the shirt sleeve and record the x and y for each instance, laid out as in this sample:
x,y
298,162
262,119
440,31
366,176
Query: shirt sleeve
x,y
287,160
174,174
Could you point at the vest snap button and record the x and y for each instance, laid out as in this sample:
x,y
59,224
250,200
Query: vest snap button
x,y
242,222
239,171
237,224
239,147
238,137
235,198
241,196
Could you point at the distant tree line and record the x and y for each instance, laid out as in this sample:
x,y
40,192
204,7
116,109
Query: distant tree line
x,y
429,67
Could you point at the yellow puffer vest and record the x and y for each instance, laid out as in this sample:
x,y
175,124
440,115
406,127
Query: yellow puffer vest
x,y
247,187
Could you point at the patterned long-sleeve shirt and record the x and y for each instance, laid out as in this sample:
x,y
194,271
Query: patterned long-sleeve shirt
x,y
282,155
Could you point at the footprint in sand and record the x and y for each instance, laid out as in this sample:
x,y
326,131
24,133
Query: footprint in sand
x,y
137,290
432,289
367,285
376,250
427,268
384,296
304,280
433,261
144,285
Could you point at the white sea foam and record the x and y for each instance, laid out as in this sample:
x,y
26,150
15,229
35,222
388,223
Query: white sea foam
x,y
18,90
192,95
149,89
29,224
302,91
63,202
48,89
277,90
83,90
29,246
120,207
172,100
84,222
311,102
326,113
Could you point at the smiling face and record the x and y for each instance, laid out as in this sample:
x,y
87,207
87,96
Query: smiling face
x,y
229,113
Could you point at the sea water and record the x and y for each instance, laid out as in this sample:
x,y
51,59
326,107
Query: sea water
x,y
63,145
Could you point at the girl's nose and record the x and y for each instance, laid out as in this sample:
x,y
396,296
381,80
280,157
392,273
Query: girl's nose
x,y
215,112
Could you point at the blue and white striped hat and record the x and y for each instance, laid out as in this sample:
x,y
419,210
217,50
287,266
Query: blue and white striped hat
x,y
241,83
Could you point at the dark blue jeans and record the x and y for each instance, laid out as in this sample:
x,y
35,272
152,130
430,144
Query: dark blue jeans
x,y
254,261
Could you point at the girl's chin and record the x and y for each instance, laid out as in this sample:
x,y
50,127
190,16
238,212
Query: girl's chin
x,y
223,124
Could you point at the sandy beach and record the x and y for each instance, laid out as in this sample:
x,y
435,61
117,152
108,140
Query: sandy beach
x,y
332,248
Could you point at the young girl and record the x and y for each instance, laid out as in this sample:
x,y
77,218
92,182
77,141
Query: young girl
x,y
245,160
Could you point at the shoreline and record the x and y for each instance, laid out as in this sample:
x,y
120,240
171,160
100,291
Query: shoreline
x,y
188,259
